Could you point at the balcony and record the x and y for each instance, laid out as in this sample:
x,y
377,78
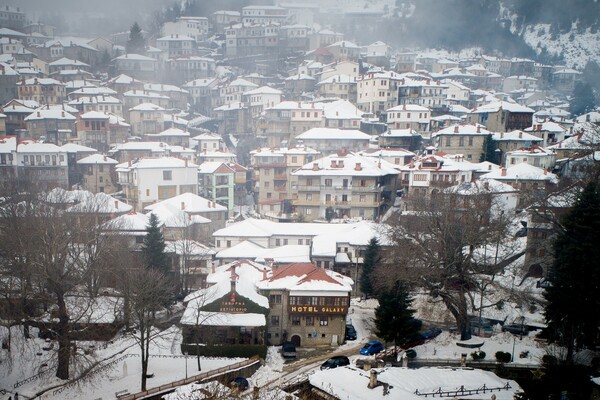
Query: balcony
x,y
280,177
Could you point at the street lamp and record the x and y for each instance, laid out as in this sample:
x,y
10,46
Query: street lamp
x,y
186,370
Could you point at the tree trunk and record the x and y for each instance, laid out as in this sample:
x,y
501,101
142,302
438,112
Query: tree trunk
x,y
143,345
64,341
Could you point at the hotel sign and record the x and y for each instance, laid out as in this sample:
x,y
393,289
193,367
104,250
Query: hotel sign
x,y
233,307
302,309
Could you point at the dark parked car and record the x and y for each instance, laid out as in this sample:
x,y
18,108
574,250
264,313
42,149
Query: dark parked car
x,y
334,362
516,329
371,348
288,349
415,340
240,383
431,333
350,332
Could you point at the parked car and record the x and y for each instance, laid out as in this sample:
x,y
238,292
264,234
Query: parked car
x,y
415,340
334,362
288,349
350,332
371,348
240,383
431,333
516,329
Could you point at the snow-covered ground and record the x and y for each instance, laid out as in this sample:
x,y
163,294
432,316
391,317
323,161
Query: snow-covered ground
x,y
166,363
444,347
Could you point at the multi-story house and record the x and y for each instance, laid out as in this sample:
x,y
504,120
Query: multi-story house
x,y
330,140
171,136
64,63
338,86
259,99
377,92
344,51
248,39
12,17
98,173
150,180
403,138
184,69
51,125
264,14
294,37
272,176
349,185
502,116
466,140
200,93
216,182
308,305
405,62
409,116
324,38
424,92
193,27
93,130
207,141
176,45
535,155
507,141
431,174
224,18
519,82
532,182
103,104
42,90
286,119
146,118
549,132
8,83
43,164
16,111
137,66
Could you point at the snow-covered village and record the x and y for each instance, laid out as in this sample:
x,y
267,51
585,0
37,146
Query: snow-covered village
x,y
315,200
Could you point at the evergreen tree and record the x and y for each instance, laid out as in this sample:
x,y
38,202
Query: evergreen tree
x,y
573,297
153,247
489,151
583,100
136,43
370,261
394,317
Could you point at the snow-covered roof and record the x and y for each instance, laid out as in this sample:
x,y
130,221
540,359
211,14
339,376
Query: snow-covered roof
x,y
504,105
50,114
291,253
522,171
31,146
349,164
170,132
515,135
173,216
78,148
333,133
188,248
135,57
263,90
398,133
147,107
162,162
463,129
191,203
99,203
301,278
358,234
98,159
131,223
245,249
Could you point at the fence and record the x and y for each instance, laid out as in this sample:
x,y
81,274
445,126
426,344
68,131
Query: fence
x,y
463,392
191,379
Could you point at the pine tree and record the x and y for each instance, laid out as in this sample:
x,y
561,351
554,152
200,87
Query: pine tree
x,y
136,43
370,261
394,317
489,151
583,100
573,308
153,247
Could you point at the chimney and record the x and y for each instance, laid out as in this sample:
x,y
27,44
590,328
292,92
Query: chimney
x,y
315,167
333,164
38,114
341,164
264,274
233,282
412,163
501,135
455,128
486,185
62,114
490,167
183,205
372,379
104,158
213,269
478,129
358,167
117,204
186,162
545,172
520,135
503,170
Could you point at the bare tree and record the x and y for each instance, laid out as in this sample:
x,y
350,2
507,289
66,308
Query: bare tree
x,y
443,246
59,254
149,292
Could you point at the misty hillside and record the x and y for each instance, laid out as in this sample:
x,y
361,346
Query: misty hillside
x,y
549,31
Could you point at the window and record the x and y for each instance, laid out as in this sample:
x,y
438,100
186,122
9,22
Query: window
x,y
470,141
328,182
275,320
323,320
295,320
275,299
167,175
310,321
461,141
448,141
